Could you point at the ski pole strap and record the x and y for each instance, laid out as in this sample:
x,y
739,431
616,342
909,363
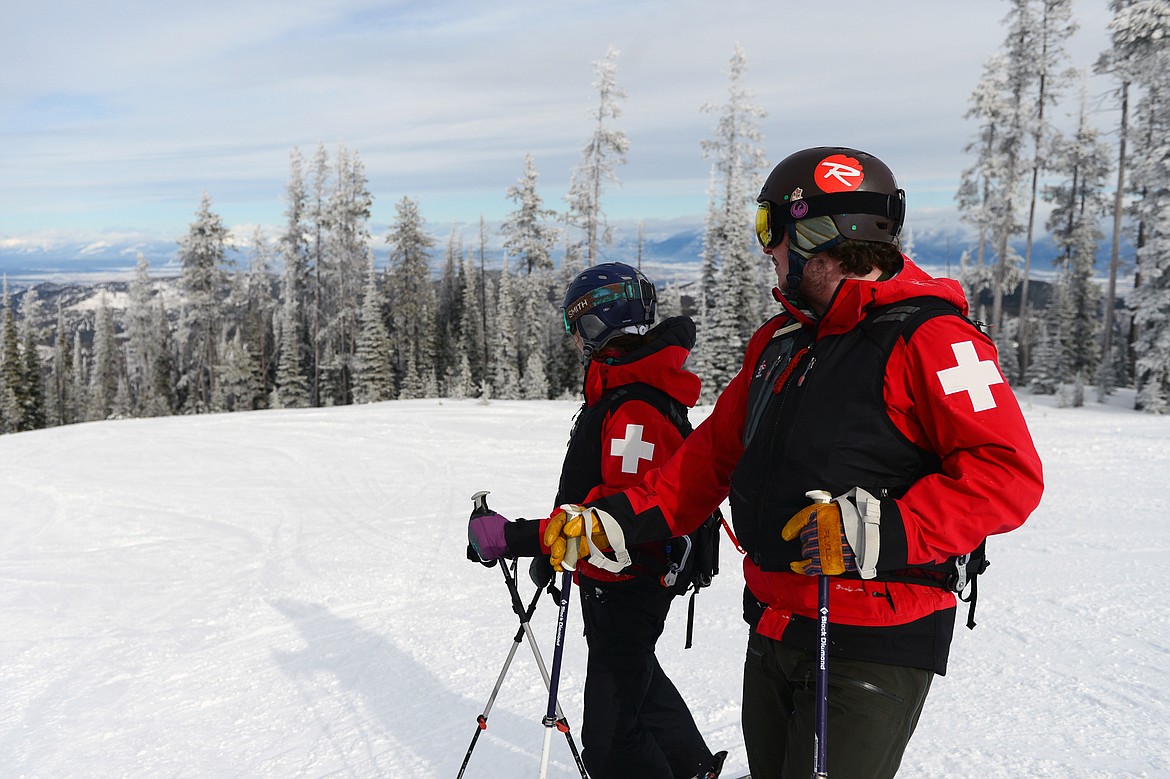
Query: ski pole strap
x,y
691,617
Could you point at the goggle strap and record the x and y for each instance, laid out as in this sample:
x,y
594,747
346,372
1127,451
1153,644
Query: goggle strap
x,y
620,290
893,207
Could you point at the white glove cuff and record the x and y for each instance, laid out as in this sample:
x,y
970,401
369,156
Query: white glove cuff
x,y
861,519
613,531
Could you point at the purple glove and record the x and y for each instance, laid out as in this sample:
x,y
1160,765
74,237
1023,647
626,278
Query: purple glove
x,y
485,533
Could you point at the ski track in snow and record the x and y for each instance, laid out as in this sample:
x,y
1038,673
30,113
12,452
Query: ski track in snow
x,y
285,594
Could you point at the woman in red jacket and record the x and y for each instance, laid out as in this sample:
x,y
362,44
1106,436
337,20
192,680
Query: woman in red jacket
x,y
635,723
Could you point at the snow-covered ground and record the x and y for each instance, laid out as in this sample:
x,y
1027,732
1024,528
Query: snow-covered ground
x,y
285,594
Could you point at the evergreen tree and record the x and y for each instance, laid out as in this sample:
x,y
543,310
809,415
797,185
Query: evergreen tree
x,y
350,207
291,389
564,361
13,393
533,328
374,379
1050,73
974,195
160,399
62,406
34,413
449,314
201,281
295,302
606,150
733,311
256,318
140,335
1079,202
527,237
471,328
1011,166
412,298
506,360
80,374
1141,58
107,369
319,272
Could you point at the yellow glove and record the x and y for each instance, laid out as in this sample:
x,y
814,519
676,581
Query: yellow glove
x,y
822,540
563,528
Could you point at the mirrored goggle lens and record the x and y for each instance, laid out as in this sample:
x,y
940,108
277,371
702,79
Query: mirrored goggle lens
x,y
764,224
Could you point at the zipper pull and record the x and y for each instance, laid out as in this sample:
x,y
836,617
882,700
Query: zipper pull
x,y
812,361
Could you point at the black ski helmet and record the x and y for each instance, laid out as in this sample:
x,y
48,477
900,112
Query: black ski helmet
x,y
854,190
607,300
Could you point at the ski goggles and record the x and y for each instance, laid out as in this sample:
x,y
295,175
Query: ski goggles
x,y
591,326
773,219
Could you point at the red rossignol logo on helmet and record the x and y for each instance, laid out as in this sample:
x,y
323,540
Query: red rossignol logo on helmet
x,y
838,173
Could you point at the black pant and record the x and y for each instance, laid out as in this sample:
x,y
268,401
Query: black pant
x,y
635,723
873,710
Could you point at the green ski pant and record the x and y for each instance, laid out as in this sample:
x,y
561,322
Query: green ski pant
x,y
873,710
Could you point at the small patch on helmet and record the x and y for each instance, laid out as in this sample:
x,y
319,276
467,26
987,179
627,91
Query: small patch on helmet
x,y
839,173
797,193
799,209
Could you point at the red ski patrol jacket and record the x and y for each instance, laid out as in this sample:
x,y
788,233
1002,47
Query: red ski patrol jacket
x,y
635,437
931,428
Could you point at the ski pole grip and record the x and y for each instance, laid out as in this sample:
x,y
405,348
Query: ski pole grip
x,y
817,496
479,508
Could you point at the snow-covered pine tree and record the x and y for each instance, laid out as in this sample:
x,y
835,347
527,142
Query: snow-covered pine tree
x,y
295,301
62,409
161,399
1141,54
606,150
12,391
1079,203
528,238
349,206
471,343
201,280
32,332
1051,73
533,331
974,196
1011,164
505,354
412,298
319,219
374,379
80,375
139,324
256,321
449,313
563,366
291,389
107,369
1114,61
734,309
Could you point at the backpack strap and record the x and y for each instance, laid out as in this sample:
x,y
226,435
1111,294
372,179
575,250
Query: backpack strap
x,y
885,326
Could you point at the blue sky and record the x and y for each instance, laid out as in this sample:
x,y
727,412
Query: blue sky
x,y
115,116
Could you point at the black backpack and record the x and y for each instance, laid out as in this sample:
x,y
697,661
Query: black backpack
x,y
692,561
960,573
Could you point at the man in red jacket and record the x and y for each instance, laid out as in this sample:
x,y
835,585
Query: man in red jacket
x,y
874,387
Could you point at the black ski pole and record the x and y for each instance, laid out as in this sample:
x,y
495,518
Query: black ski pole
x,y
821,753
550,720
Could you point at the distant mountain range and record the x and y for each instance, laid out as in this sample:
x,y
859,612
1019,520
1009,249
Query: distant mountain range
x,y
670,250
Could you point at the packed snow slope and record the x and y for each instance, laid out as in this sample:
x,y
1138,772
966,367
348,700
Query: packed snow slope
x,y
285,594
